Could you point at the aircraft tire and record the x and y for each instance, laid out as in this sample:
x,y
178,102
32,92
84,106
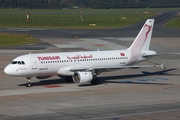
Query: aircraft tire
x,y
95,81
28,84
68,79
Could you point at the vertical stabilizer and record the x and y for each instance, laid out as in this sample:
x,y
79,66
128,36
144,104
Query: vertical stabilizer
x,y
142,41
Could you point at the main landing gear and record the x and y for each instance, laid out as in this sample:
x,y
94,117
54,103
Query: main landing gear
x,y
28,84
69,79
95,81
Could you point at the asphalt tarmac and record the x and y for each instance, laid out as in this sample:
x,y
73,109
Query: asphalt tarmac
x,y
129,94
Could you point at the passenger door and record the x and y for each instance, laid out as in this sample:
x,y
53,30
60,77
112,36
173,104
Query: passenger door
x,y
34,63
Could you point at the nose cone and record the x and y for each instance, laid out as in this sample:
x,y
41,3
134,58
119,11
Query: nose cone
x,y
7,70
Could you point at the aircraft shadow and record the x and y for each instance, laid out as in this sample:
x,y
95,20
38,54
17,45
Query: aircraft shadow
x,y
45,82
106,79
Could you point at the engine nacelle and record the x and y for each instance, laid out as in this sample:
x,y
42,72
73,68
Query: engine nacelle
x,y
65,71
82,77
43,77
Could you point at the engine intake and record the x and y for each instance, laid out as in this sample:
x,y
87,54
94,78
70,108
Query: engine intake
x,y
82,77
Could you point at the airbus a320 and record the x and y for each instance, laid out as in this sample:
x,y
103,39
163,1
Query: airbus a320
x,y
83,67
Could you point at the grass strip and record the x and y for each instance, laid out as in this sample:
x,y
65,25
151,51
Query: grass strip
x,y
70,18
9,39
174,23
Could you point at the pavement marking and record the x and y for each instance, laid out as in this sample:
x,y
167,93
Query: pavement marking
x,y
105,44
52,86
65,46
26,91
141,113
144,80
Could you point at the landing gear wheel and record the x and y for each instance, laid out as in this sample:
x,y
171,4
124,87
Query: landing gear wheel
x,y
28,84
95,81
68,79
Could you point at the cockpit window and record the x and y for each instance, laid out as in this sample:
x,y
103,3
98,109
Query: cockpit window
x,y
18,62
14,62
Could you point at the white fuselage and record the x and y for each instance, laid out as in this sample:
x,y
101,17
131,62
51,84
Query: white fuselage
x,y
48,64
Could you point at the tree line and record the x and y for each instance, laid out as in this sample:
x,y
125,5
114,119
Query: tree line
x,y
59,4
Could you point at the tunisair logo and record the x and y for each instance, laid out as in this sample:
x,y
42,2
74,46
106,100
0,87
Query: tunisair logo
x,y
49,58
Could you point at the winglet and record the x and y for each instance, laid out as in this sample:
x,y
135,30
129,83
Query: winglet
x,y
162,66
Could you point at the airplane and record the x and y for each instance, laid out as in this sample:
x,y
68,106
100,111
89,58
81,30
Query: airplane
x,y
84,66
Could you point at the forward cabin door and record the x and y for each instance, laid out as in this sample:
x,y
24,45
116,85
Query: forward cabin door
x,y
34,63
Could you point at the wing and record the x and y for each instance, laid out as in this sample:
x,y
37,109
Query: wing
x,y
108,68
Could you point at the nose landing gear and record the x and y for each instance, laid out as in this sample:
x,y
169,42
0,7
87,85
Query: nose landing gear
x,y
28,84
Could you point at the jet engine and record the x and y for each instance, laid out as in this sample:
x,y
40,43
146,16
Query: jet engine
x,y
82,77
43,77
